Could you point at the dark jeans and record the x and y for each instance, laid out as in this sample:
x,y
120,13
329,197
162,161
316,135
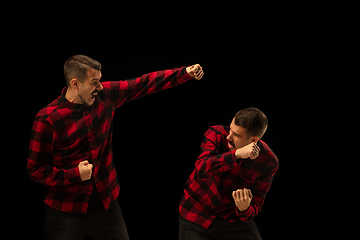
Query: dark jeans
x,y
97,223
220,229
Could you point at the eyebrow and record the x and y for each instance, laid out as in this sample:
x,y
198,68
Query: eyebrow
x,y
237,134
96,79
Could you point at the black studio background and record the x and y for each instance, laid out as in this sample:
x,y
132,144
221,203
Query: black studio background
x,y
157,138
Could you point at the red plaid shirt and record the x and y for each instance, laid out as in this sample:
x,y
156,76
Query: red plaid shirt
x,y
64,134
208,191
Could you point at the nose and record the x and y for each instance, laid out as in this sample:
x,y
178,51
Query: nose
x,y
100,86
228,136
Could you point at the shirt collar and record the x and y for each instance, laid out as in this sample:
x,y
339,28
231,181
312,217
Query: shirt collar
x,y
77,107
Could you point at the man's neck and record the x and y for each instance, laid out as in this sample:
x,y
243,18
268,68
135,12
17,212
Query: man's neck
x,y
71,96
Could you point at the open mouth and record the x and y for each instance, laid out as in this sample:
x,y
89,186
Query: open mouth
x,y
93,94
231,145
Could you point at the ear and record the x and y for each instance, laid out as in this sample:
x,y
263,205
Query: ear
x,y
255,139
74,83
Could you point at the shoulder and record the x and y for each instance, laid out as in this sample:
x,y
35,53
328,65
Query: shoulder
x,y
266,150
51,112
215,138
110,85
217,135
217,130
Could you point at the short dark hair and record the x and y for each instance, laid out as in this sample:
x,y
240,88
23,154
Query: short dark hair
x,y
77,67
253,120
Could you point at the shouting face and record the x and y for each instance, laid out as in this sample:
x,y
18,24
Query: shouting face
x,y
238,137
84,92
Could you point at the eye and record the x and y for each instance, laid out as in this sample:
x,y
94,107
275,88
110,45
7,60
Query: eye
x,y
231,132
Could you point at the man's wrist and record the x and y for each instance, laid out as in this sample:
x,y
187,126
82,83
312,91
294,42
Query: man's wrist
x,y
238,153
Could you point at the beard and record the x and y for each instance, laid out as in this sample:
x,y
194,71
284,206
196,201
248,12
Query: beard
x,y
83,101
88,101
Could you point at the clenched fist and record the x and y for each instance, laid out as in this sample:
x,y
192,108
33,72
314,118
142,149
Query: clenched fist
x,y
195,71
249,151
85,170
242,198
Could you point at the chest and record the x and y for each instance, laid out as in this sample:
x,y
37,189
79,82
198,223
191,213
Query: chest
x,y
83,130
245,175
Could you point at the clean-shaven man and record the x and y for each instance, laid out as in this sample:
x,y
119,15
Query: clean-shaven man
x,y
232,175
70,149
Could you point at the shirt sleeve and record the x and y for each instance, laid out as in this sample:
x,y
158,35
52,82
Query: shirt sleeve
x,y
39,158
259,191
121,92
211,161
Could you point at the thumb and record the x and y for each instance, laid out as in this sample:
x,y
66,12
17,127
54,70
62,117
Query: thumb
x,y
90,166
85,163
250,194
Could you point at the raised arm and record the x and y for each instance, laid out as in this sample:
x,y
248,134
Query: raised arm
x,y
213,160
122,92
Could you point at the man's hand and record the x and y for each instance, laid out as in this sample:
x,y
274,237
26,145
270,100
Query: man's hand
x,y
195,71
249,151
242,198
85,170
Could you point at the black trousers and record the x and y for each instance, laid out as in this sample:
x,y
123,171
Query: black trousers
x,y
97,223
220,229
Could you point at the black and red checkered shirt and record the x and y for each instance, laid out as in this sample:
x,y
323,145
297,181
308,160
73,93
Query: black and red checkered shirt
x,y
208,191
65,133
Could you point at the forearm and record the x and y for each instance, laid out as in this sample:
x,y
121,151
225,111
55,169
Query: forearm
x,y
122,92
248,214
259,190
157,81
209,165
52,176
